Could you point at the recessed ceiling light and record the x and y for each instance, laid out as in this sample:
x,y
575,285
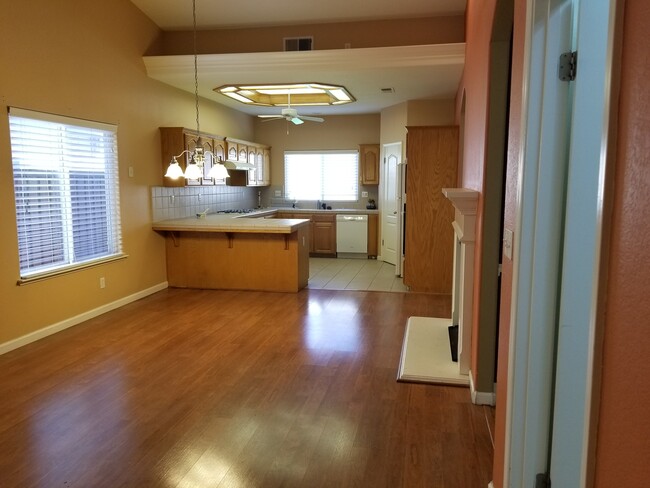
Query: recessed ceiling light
x,y
286,94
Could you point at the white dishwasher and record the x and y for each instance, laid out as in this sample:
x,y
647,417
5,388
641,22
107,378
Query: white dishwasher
x,y
351,236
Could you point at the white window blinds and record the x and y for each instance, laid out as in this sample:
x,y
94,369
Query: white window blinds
x,y
66,189
321,175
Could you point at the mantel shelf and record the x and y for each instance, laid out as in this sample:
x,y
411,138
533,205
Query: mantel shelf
x,y
463,199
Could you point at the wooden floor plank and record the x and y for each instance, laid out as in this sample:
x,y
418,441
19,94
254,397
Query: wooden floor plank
x,y
195,388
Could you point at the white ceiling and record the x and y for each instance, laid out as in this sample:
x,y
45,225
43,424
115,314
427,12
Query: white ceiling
x,y
414,72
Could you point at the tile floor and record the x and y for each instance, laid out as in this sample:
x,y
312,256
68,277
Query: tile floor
x,y
353,274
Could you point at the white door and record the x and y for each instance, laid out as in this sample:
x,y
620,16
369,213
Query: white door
x,y
551,370
390,205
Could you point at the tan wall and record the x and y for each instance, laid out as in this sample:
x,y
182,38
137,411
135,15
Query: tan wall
x,y
395,119
398,32
337,132
84,59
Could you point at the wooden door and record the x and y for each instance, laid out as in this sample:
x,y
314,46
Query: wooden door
x,y
432,155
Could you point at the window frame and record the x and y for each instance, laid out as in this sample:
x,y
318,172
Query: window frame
x,y
323,154
63,166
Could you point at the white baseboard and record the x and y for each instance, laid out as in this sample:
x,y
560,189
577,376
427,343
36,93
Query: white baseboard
x,y
480,397
64,324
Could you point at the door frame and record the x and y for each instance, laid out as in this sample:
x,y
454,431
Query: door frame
x,y
539,420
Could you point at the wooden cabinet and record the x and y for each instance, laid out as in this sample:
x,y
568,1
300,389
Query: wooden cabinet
x,y
324,234
322,231
373,235
432,154
175,140
260,157
369,163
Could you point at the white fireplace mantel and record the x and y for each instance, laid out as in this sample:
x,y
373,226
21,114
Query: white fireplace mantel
x,y
465,202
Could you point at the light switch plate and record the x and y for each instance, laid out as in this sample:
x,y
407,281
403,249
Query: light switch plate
x,y
508,236
364,194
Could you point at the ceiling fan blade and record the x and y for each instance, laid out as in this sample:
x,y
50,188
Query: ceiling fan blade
x,y
268,118
296,120
312,119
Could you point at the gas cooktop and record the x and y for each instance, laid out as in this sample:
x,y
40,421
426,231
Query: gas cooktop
x,y
238,211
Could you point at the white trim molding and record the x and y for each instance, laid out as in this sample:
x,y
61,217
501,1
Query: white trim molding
x,y
76,320
481,397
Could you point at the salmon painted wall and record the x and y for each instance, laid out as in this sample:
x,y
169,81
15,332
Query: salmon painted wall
x,y
474,87
623,438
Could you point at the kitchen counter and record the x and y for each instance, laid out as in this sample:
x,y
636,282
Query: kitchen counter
x,y
245,223
237,252
355,211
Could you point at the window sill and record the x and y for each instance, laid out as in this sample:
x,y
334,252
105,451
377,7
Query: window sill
x,y
26,280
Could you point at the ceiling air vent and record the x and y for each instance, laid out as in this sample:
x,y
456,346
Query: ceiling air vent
x,y
387,90
298,43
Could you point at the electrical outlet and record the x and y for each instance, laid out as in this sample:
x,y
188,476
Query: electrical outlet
x,y
130,171
364,194
278,193
102,282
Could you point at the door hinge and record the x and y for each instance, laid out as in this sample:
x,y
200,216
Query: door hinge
x,y
542,480
568,66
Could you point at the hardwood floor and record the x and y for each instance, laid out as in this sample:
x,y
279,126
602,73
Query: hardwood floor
x,y
193,388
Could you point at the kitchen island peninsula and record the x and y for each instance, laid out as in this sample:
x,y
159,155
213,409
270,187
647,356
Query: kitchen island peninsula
x,y
223,252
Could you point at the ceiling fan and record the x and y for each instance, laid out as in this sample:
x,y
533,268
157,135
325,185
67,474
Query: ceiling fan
x,y
291,115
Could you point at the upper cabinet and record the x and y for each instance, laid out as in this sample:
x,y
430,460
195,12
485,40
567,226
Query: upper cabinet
x,y
369,163
260,157
175,140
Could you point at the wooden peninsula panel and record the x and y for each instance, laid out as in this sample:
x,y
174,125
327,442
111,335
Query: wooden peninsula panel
x,y
432,154
238,261
233,253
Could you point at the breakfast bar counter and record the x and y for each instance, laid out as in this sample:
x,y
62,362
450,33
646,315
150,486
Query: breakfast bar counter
x,y
219,251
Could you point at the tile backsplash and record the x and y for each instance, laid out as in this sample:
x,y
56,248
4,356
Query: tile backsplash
x,y
179,202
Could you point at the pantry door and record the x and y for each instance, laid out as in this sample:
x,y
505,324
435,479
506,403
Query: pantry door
x,y
391,249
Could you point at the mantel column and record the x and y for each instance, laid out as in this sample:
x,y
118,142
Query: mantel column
x,y
465,204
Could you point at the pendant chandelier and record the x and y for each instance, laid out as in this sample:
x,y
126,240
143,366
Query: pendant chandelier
x,y
196,157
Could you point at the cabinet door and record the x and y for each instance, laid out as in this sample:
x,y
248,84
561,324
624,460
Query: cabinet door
x,y
369,162
266,166
373,233
324,234
172,143
242,151
191,140
233,152
220,155
252,173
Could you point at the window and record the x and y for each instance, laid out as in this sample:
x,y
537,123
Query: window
x,y
321,175
66,189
